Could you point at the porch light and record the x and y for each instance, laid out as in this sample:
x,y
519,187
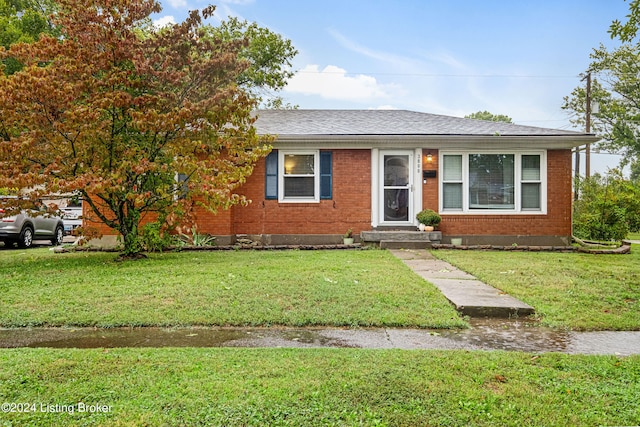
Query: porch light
x,y
429,158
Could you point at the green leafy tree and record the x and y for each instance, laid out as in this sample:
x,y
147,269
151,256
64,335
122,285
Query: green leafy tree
x,y
269,56
485,115
635,172
24,21
627,31
117,116
616,89
608,207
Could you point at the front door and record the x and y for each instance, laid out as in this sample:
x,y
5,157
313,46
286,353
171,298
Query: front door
x,y
396,187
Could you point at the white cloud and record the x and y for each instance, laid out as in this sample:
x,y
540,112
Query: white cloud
x,y
225,9
238,2
396,60
383,107
177,4
333,82
163,21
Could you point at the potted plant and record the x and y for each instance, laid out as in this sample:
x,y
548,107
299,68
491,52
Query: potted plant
x,y
347,239
428,219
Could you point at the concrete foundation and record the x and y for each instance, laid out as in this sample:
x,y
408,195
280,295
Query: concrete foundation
x,y
472,240
389,239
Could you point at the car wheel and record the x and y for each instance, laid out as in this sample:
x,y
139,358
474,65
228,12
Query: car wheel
x,y
26,238
57,237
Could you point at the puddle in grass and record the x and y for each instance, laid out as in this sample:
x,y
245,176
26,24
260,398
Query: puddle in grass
x,y
484,334
163,337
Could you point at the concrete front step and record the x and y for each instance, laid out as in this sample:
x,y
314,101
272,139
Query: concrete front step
x,y
378,236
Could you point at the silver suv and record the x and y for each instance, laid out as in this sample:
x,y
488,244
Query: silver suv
x,y
23,229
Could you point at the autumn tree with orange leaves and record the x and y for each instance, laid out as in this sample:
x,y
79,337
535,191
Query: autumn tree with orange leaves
x,y
117,114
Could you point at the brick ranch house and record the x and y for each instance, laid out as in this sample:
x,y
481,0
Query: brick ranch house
x,y
333,170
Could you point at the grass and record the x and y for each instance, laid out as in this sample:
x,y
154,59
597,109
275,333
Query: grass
x,y
308,387
295,288
312,387
577,291
633,236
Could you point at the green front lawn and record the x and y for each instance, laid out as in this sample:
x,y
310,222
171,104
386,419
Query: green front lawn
x,y
578,291
303,288
225,386
296,288
314,387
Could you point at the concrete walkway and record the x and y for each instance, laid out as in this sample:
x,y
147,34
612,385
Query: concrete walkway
x,y
469,295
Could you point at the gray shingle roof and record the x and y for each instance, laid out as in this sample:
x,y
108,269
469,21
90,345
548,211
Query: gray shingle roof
x,y
388,122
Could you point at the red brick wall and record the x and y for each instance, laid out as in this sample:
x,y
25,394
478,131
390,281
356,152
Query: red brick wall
x,y
216,224
350,206
557,221
430,189
91,222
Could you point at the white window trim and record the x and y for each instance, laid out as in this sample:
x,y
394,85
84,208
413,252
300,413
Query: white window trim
x,y
517,210
316,176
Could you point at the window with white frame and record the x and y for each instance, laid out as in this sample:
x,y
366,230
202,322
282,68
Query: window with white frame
x,y
492,182
452,182
531,183
299,176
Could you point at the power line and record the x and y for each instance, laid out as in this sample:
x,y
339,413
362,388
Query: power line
x,y
603,73
546,120
523,76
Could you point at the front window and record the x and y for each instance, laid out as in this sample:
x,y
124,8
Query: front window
x,y
491,179
531,183
299,176
491,182
452,182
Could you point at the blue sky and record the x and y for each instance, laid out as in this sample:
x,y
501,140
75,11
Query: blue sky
x,y
517,58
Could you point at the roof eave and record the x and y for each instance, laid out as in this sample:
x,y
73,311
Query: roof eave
x,y
438,141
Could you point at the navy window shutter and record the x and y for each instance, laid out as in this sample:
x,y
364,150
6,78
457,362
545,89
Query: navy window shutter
x,y
183,185
271,181
326,180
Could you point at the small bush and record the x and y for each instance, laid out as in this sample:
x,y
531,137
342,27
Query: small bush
x,y
197,239
154,239
429,217
609,224
608,207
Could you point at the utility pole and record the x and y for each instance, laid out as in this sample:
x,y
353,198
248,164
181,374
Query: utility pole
x,y
576,173
587,149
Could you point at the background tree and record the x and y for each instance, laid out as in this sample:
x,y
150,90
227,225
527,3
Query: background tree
x,y
616,87
116,116
634,176
269,56
485,115
23,21
608,207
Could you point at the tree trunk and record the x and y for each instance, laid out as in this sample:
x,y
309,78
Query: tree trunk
x,y
129,223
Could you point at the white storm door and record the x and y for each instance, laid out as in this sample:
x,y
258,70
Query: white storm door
x,y
396,187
